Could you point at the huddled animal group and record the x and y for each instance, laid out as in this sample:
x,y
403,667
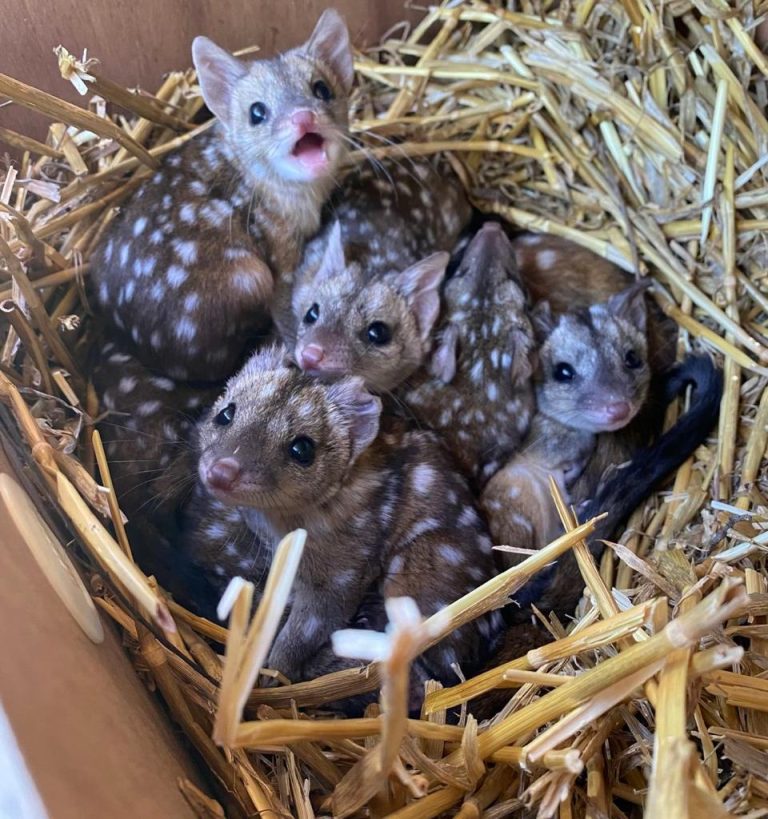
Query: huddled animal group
x,y
363,357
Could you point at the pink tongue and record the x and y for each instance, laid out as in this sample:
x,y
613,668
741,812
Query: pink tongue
x,y
310,150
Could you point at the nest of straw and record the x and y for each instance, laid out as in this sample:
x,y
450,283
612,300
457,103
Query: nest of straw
x,y
635,129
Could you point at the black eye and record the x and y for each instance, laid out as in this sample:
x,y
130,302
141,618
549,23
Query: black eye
x,y
322,92
313,314
633,360
302,450
564,372
379,333
258,113
225,416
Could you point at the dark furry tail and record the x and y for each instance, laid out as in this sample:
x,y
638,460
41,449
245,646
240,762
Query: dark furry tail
x,y
628,486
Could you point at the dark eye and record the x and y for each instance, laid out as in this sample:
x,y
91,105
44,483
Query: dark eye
x,y
564,372
322,92
379,333
633,360
258,113
225,416
302,450
313,314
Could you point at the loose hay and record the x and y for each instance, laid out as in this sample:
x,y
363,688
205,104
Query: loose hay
x,y
635,129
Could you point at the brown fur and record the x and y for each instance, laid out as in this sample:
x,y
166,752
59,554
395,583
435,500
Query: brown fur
x,y
185,272
476,391
594,345
383,508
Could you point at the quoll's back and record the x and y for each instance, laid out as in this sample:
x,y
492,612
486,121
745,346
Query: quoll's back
x,y
476,390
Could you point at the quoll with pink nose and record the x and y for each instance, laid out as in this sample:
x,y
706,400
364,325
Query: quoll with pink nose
x,y
383,505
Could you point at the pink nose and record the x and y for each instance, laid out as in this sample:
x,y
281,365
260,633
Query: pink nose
x,y
305,120
223,474
311,356
617,411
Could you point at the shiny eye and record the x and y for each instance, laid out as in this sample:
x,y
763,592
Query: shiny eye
x,y
563,372
313,314
302,450
258,113
379,333
633,360
322,92
224,418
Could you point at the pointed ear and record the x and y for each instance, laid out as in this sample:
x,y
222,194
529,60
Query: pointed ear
x,y
329,44
360,409
444,359
333,255
420,284
217,73
542,320
630,304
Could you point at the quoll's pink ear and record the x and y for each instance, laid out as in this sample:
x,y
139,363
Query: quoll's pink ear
x,y
630,304
330,45
217,73
444,359
420,284
333,257
360,409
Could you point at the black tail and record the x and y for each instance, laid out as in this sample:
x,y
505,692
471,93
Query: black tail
x,y
628,486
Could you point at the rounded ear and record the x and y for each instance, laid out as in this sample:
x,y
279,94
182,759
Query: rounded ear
x,y
630,304
420,284
360,410
217,73
542,320
329,44
444,359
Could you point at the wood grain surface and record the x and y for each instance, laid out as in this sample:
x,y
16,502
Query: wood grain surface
x,y
137,41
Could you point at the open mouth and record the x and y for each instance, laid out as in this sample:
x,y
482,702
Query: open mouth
x,y
310,150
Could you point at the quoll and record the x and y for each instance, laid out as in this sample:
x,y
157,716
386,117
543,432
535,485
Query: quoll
x,y
185,272
382,508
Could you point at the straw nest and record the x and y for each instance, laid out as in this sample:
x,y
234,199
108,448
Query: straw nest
x,y
633,128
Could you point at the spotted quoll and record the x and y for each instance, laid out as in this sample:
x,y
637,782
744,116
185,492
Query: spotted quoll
x,y
476,389
185,273
592,377
383,507
366,296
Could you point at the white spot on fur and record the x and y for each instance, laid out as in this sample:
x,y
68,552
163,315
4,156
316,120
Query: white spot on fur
x,y
185,329
176,275
162,383
143,267
174,160
244,281
186,251
312,624
127,384
233,253
216,531
191,301
468,517
167,201
345,578
476,373
103,293
451,554
148,408
119,358
156,340
156,237
492,391
522,522
216,212
546,259
506,360
139,225
125,251
422,477
197,187
426,525
495,357
187,213
108,250
169,432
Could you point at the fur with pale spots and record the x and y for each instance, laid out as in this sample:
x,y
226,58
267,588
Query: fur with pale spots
x,y
365,298
334,472
255,183
592,377
476,389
